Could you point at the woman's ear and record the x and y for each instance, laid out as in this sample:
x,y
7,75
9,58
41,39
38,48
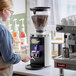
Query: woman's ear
x,y
4,15
4,12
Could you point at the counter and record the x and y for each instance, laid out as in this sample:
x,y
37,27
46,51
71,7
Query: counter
x,y
20,69
49,71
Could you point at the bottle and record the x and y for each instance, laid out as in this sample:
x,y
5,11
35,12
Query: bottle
x,y
17,42
23,38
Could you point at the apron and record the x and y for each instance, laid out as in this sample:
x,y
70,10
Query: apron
x,y
9,68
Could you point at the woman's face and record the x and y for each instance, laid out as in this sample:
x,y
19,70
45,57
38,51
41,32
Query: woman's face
x,y
6,14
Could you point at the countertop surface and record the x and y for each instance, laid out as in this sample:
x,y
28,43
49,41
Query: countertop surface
x,y
49,71
20,69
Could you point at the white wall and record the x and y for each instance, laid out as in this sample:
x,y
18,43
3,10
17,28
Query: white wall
x,y
19,6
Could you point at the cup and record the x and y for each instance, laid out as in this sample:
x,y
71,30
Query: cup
x,y
74,22
70,22
66,52
64,22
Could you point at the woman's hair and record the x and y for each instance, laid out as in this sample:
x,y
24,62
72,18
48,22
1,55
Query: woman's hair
x,y
5,4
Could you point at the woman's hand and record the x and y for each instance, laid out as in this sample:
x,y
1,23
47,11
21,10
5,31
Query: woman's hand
x,y
25,57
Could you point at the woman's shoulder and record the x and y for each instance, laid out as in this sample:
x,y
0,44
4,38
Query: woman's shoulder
x,y
2,26
4,29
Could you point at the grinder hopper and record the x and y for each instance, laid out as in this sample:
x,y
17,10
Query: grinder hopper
x,y
40,17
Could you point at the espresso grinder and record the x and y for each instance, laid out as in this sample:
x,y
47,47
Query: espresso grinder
x,y
40,42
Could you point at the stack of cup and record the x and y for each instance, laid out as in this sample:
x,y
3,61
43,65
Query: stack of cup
x,y
64,21
75,20
70,22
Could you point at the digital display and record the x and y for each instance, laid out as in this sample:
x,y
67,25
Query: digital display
x,y
36,50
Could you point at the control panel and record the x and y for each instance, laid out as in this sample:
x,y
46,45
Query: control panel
x,y
66,29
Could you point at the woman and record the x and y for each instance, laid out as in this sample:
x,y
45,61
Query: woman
x,y
7,57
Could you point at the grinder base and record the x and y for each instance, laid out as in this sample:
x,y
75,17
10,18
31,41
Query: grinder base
x,y
33,67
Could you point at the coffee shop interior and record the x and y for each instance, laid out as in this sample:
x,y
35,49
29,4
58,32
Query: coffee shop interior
x,y
45,30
